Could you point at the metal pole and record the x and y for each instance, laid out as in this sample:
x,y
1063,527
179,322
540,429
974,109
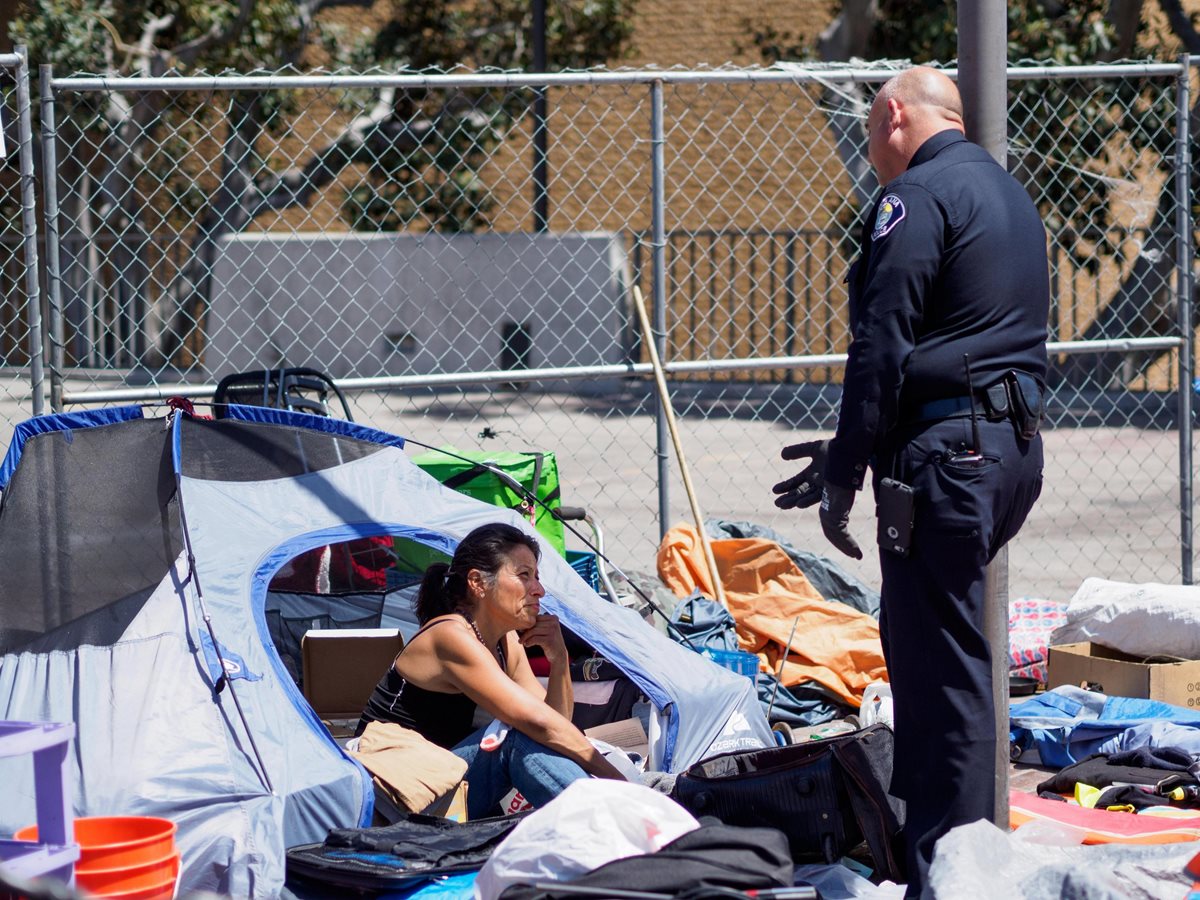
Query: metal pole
x,y
982,45
29,229
541,159
53,253
982,48
1183,284
659,268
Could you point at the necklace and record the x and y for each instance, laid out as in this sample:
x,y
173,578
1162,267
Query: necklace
x,y
475,628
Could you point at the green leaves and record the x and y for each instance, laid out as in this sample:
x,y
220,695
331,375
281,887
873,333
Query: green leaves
x,y
421,164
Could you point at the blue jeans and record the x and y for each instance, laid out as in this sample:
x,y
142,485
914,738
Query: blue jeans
x,y
539,773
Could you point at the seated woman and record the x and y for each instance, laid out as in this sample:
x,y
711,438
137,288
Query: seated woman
x,y
476,615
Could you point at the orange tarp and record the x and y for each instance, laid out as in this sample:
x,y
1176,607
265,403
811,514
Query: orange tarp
x,y
835,645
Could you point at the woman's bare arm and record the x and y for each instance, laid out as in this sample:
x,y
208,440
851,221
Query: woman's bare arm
x,y
466,665
547,634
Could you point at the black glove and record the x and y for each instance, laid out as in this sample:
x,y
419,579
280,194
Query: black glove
x,y
803,490
835,516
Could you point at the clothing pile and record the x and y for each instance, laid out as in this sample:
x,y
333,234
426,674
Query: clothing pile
x,y
1067,724
1115,755
1119,818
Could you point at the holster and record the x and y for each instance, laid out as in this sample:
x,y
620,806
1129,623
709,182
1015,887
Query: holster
x,y
1027,403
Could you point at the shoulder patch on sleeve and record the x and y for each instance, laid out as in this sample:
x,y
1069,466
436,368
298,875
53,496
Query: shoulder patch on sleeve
x,y
891,214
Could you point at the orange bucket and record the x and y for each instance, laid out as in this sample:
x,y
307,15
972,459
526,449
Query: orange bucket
x,y
164,891
114,842
116,881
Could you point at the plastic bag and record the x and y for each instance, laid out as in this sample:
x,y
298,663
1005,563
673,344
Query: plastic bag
x,y
877,705
592,822
628,764
837,882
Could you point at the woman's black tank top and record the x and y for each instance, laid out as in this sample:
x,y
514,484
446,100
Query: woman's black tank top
x,y
445,719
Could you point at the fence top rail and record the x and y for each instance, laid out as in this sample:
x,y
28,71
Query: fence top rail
x,y
787,73
618,370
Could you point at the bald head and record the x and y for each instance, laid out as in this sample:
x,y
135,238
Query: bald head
x,y
908,110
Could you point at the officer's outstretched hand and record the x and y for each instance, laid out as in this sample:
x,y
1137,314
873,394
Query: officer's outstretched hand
x,y
803,490
835,516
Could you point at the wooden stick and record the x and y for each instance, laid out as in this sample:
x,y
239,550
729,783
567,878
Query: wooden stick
x,y
660,379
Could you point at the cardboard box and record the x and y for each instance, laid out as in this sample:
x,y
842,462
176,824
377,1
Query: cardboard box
x,y
628,734
1121,675
341,666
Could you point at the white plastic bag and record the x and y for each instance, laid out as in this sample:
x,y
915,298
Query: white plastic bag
x,y
594,821
877,705
627,764
1139,619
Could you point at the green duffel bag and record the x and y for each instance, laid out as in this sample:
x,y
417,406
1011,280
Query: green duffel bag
x,y
530,470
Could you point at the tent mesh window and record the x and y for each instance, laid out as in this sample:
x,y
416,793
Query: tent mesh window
x,y
231,450
88,529
291,616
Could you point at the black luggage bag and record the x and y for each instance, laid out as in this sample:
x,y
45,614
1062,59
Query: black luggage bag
x,y
827,795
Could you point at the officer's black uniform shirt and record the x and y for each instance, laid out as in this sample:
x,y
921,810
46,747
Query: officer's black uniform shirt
x,y
953,261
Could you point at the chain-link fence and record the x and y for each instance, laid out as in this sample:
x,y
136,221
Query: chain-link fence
x,y
21,350
399,233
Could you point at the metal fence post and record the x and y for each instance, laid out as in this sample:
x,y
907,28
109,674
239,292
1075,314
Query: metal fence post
x,y
981,58
1183,284
541,157
659,312
29,231
53,253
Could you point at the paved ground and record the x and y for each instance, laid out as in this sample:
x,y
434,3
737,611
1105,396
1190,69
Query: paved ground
x,y
1109,508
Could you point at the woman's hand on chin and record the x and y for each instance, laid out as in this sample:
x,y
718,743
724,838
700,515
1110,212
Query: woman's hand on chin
x,y
547,634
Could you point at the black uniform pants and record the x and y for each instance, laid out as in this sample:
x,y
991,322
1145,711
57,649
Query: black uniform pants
x,y
931,619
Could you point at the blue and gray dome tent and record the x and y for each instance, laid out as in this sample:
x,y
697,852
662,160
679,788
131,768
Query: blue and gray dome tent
x,y
135,559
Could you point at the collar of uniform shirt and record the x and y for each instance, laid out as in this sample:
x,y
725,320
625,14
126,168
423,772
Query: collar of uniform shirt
x,y
935,145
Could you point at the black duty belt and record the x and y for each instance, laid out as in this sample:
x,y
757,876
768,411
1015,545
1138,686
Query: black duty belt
x,y
1017,397
950,407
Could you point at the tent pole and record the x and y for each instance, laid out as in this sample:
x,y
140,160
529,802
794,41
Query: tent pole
x,y
194,577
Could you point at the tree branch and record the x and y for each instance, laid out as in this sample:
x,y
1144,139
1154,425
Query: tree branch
x,y
187,53
1125,17
846,38
296,186
1181,24
848,35
144,51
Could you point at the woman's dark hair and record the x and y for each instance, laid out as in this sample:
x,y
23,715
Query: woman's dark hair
x,y
487,548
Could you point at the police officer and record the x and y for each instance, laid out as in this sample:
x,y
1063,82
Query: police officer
x,y
949,300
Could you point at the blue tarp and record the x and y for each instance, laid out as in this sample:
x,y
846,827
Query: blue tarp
x,y
1068,723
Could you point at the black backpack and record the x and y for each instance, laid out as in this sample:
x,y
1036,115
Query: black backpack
x,y
827,795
